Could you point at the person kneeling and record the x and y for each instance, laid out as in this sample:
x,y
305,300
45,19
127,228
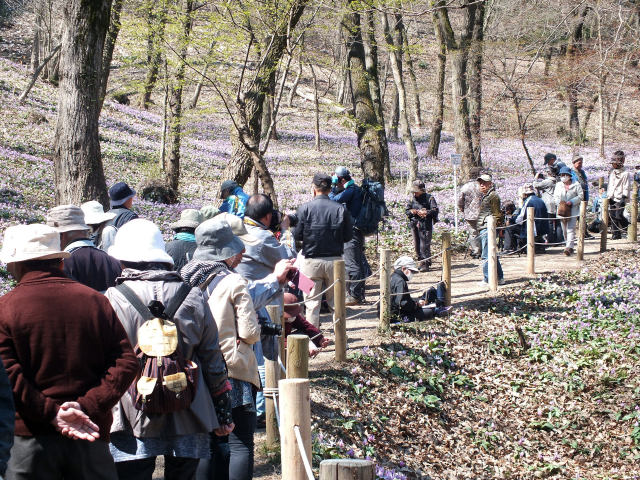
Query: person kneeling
x,y
404,308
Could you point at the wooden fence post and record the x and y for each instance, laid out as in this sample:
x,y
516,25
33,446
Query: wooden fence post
x,y
347,469
582,230
385,289
446,266
600,184
295,405
632,230
339,312
493,253
272,376
604,226
297,356
531,241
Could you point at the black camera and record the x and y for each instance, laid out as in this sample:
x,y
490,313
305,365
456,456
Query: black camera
x,y
276,220
268,328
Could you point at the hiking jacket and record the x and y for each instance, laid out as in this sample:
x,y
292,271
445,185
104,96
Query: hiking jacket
x,y
259,260
181,251
580,176
541,227
237,323
324,226
619,186
91,266
198,339
108,234
426,201
61,341
235,203
545,188
489,205
469,200
402,305
573,195
350,197
7,419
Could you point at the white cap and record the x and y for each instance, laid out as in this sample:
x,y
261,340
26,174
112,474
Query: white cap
x,y
31,242
139,241
94,213
406,262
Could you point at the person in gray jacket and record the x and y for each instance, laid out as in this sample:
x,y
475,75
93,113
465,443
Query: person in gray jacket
x,y
182,436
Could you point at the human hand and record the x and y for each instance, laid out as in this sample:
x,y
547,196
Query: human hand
x,y
224,430
325,343
285,223
72,422
282,269
569,203
421,303
313,350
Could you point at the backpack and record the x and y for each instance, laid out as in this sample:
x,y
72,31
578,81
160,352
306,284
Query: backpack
x,y
373,207
167,382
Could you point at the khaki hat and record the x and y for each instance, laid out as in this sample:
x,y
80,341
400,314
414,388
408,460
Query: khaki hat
x,y
528,189
94,213
485,177
238,228
406,262
417,186
215,241
189,218
67,218
31,242
209,211
577,157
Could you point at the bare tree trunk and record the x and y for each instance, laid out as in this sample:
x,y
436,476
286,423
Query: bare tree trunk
x,y
371,138
548,55
78,172
156,20
522,129
36,73
438,108
573,48
417,112
394,118
601,82
316,106
35,49
165,104
370,46
294,87
394,44
590,108
475,82
198,90
109,45
175,102
619,94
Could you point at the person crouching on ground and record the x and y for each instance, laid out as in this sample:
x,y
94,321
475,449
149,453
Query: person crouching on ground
x,y
568,195
297,324
422,211
404,308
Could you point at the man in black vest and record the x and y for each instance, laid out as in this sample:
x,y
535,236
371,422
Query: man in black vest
x,y
121,200
422,211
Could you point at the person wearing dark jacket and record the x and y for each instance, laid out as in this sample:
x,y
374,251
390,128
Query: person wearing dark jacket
x,y
422,211
346,192
296,323
183,245
489,206
87,264
121,200
68,359
541,227
7,419
403,307
324,226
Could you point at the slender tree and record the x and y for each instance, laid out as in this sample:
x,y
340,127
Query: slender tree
x,y
438,108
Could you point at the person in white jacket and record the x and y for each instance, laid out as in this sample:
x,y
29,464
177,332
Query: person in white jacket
x,y
618,192
571,194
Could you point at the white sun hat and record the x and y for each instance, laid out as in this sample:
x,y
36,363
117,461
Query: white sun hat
x,y
31,242
94,213
139,241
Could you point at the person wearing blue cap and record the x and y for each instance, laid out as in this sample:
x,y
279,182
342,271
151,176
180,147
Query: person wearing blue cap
x,y
234,200
121,198
568,195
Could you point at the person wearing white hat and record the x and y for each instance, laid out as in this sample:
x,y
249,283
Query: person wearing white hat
x,y
87,264
183,245
182,437
98,220
403,307
489,206
68,359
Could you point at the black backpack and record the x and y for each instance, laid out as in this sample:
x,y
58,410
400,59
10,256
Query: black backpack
x,y
373,207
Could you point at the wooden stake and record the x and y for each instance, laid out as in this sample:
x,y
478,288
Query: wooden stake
x,y
347,469
339,312
385,289
297,356
531,241
582,230
296,408
604,226
632,230
446,266
600,184
493,253
272,376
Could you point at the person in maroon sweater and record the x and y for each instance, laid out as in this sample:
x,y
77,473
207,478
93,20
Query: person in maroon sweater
x,y
68,359
296,323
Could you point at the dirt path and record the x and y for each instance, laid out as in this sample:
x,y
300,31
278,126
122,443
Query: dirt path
x,y
466,290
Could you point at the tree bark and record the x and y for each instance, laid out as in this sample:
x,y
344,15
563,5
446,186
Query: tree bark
x,y
156,21
370,133
36,73
78,172
196,94
394,118
573,48
316,106
394,44
109,45
294,87
417,112
475,82
438,108
458,51
172,169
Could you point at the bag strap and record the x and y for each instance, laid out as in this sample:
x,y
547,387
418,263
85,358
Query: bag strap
x,y
135,301
175,302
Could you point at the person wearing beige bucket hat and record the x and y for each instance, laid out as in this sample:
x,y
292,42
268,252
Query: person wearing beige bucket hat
x,y
87,264
68,359
183,245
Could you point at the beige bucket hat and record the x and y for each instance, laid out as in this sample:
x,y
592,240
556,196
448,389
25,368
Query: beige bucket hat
x,y
31,242
67,218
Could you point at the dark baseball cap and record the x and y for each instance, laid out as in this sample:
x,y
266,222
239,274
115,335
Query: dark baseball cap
x,y
322,181
548,157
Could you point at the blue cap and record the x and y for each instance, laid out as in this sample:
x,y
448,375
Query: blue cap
x,y
120,193
564,171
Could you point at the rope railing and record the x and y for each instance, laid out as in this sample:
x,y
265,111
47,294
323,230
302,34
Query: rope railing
x,y
316,296
374,274
303,453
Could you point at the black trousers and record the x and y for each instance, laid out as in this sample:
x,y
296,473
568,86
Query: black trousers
x,y
616,219
422,242
356,264
54,457
175,468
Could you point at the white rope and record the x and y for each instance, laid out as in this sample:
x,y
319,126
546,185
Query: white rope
x,y
315,296
303,454
512,252
284,370
273,393
365,278
363,312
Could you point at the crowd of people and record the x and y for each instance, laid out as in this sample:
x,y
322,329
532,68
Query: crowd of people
x,y
120,348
